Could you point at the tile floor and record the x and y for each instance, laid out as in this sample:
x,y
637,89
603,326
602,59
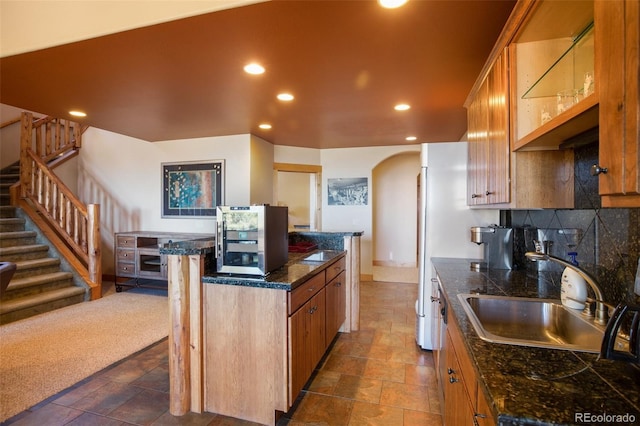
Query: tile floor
x,y
376,376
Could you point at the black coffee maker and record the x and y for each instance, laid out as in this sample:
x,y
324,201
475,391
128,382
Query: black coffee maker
x,y
624,321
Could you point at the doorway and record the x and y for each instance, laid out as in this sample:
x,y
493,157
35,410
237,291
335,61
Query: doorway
x,y
297,186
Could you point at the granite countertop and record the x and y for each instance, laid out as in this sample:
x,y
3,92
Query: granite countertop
x,y
529,385
296,271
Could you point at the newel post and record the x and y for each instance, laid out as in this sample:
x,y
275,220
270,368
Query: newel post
x,y
94,250
25,143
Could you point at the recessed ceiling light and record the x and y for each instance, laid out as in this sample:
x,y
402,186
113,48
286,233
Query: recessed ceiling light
x,y
410,138
254,68
401,107
285,96
265,126
391,4
78,113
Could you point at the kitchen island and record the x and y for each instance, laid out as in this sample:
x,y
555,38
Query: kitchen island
x,y
528,385
244,346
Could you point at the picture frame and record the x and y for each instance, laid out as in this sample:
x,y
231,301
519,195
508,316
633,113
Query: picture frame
x,y
348,191
192,190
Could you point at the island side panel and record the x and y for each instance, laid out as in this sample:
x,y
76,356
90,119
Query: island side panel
x,y
179,354
245,352
352,246
196,271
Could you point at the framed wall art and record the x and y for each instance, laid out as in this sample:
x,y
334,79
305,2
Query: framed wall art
x,y
192,190
348,191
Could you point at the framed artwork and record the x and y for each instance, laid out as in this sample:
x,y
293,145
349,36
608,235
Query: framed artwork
x,y
348,191
192,190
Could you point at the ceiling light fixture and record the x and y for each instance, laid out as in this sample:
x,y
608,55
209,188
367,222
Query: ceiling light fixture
x,y
254,68
265,126
410,138
391,4
77,113
401,107
285,97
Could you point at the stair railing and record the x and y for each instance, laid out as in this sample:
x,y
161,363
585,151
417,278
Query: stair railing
x,y
44,143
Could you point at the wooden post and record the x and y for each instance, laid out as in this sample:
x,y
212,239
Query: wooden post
x,y
179,336
94,250
196,271
25,144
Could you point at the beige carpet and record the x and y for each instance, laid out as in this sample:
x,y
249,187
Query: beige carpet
x,y
42,355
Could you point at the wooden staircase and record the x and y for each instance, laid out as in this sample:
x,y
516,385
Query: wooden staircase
x,y
50,235
39,283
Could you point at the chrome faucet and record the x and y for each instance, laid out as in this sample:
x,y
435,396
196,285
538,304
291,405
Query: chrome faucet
x,y
602,312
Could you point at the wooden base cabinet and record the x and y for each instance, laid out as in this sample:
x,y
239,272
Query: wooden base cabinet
x,y
464,402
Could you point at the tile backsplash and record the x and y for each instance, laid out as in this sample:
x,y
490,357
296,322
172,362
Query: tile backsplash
x,y
607,240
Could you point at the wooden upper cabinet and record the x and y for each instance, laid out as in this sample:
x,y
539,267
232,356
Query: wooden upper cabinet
x,y
553,78
617,46
488,136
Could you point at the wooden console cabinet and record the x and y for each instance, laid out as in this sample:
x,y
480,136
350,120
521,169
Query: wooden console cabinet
x,y
138,260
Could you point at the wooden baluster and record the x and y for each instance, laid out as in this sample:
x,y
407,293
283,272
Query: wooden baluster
x,y
25,144
47,194
54,202
48,141
58,133
39,187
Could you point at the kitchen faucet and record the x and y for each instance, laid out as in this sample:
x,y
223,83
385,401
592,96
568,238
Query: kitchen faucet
x,y
602,312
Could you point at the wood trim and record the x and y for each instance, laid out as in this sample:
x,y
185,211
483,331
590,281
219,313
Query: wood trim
x,y
10,122
290,167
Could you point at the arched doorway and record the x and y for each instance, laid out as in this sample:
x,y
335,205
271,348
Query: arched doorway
x,y
395,220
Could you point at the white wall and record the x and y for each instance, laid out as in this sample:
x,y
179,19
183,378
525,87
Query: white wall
x,y
9,136
395,210
354,162
124,176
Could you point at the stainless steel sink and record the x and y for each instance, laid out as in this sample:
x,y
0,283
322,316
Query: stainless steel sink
x,y
531,322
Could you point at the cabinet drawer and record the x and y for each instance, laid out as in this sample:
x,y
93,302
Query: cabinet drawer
x,y
334,269
126,269
126,256
299,295
126,241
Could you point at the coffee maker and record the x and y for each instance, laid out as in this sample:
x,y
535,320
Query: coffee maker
x,y
498,246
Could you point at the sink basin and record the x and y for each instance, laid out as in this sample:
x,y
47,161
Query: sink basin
x,y
531,322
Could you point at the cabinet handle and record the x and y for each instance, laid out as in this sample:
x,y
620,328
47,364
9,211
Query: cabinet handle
x,y
487,193
125,255
476,195
338,284
311,289
596,170
312,310
452,380
450,371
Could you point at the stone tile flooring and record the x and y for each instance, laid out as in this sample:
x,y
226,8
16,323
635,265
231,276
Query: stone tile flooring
x,y
376,376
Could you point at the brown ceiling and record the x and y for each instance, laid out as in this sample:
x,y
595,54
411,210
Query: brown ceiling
x,y
346,62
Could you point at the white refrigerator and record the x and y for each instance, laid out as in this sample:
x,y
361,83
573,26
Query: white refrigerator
x,y
445,223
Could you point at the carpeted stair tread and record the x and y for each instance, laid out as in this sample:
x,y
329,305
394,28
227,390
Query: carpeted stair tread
x,y
29,251
32,266
44,298
36,280
8,224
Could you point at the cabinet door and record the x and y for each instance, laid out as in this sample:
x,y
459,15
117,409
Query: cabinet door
x,y
488,135
336,306
306,341
617,41
497,190
458,409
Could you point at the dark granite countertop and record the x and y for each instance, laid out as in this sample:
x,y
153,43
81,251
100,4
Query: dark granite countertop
x,y
190,247
526,385
296,271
